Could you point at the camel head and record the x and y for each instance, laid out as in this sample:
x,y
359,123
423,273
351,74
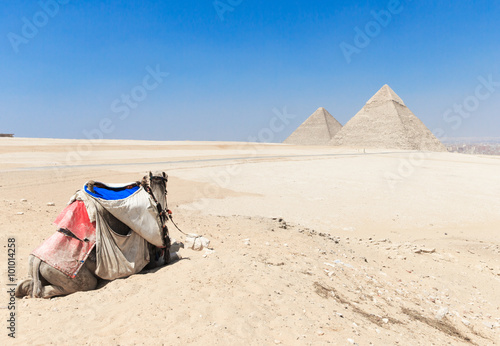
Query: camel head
x,y
158,183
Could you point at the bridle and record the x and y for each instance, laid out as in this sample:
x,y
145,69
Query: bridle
x,y
163,212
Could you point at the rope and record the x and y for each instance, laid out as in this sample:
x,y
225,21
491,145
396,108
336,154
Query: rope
x,y
165,211
171,219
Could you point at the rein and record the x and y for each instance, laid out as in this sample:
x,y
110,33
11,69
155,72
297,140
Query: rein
x,y
172,220
164,213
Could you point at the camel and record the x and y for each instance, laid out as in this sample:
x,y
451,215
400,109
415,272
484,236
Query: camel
x,y
45,281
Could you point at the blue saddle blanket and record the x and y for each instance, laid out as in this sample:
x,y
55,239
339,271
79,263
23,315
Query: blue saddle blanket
x,y
112,193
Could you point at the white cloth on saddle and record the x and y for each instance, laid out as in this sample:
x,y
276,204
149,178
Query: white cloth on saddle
x,y
118,255
123,255
137,211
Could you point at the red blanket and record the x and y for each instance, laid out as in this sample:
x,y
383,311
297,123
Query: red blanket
x,y
67,251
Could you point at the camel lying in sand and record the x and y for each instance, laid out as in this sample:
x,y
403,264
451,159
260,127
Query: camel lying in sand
x,y
47,280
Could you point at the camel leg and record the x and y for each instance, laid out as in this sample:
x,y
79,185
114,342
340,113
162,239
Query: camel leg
x,y
50,291
45,281
25,287
35,264
60,284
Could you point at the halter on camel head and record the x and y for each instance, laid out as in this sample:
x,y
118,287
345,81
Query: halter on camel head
x,y
157,188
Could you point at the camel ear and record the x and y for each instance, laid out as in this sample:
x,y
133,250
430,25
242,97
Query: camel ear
x,y
164,175
150,175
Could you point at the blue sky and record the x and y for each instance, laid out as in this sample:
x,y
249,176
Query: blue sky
x,y
229,67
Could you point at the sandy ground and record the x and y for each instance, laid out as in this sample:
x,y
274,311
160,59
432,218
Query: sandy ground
x,y
311,245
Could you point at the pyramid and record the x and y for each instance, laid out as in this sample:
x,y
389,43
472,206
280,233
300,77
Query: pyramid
x,y
318,129
386,123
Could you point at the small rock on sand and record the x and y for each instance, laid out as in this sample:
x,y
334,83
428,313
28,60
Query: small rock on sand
x,y
441,313
51,204
423,250
24,200
488,325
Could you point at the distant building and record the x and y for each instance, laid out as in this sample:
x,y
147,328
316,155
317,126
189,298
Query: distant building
x,y
475,148
6,135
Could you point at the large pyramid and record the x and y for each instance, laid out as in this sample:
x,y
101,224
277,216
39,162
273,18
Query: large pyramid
x,y
318,129
386,123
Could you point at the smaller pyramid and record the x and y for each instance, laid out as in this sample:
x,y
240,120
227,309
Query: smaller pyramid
x,y
318,129
386,123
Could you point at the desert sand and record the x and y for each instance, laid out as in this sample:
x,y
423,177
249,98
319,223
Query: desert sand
x,y
311,245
